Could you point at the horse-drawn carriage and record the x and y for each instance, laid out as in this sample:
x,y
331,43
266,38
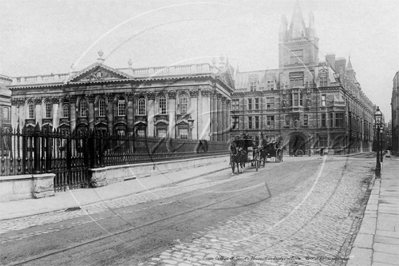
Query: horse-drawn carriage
x,y
244,150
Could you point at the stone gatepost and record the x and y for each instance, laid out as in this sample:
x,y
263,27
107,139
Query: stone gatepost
x,y
43,185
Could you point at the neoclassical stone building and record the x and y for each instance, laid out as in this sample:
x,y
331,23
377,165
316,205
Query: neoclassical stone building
x,y
309,103
182,101
5,103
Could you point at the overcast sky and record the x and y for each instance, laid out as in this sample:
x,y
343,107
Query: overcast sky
x,y
48,36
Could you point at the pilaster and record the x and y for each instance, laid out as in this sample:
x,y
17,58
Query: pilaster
x,y
172,113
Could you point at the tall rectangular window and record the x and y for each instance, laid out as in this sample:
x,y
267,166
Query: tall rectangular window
x,y
162,105
295,99
121,107
323,80
270,102
339,120
296,79
252,86
65,111
256,103
296,57
6,113
49,109
141,105
236,105
323,120
102,107
249,122
305,120
323,100
270,121
256,122
331,120
31,111
287,120
249,104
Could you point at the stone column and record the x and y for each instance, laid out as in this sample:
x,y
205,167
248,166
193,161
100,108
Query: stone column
x,y
72,112
130,114
172,114
214,128
206,114
56,115
219,117
150,114
200,115
223,114
90,98
38,111
110,113
228,119
14,113
194,113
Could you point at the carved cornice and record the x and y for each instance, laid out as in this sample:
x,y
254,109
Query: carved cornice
x,y
110,97
224,99
172,94
72,99
90,98
55,100
15,102
206,92
151,96
38,101
194,93
219,96
130,96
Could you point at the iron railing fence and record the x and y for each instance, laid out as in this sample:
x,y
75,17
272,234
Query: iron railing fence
x,y
71,155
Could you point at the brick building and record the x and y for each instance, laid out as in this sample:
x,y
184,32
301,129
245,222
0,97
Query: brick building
x,y
311,104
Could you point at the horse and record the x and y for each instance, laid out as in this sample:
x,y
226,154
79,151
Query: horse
x,y
235,158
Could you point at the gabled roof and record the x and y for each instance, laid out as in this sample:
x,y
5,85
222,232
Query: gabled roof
x,y
97,72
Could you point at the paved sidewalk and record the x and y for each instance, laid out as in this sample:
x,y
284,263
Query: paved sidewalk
x,y
377,242
82,197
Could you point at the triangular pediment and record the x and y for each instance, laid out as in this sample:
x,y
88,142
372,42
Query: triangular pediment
x,y
98,72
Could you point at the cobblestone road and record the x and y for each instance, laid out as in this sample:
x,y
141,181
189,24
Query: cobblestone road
x,y
309,225
87,211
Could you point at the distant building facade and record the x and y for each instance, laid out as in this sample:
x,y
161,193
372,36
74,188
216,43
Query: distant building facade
x,y
5,102
395,114
312,105
185,101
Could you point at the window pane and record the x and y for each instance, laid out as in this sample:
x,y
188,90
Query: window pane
x,y
65,111
161,133
183,104
121,107
141,106
162,105
183,133
83,108
101,107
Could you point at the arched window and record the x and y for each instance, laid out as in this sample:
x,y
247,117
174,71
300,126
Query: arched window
x,y
141,105
83,108
65,110
183,103
162,104
31,111
102,107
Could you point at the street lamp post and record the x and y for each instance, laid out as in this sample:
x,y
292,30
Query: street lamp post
x,y
381,142
378,117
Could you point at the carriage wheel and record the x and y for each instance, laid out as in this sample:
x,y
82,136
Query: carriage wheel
x,y
299,153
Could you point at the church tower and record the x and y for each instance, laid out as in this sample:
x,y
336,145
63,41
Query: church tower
x,y
298,44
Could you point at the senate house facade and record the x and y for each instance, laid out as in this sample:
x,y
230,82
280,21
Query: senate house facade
x,y
310,104
183,101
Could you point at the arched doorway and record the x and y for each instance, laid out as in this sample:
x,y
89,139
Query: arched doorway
x,y
297,144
